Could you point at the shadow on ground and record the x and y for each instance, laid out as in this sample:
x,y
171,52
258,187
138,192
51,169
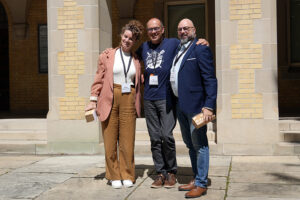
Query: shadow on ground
x,y
184,174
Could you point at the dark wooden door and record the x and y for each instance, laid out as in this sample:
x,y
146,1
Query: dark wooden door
x,y
4,61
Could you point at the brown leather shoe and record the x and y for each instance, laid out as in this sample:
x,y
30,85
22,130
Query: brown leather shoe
x,y
187,187
158,182
196,192
170,181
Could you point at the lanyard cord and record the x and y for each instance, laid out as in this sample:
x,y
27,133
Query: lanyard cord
x,y
124,67
177,57
154,61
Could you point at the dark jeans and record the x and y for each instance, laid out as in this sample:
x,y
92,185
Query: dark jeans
x,y
197,143
160,124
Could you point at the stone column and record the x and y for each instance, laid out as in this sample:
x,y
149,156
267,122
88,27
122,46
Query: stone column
x,y
73,45
246,55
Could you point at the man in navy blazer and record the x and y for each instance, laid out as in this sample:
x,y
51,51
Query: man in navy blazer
x,y
194,85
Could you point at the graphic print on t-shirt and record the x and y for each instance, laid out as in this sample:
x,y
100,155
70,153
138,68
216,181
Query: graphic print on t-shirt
x,y
154,59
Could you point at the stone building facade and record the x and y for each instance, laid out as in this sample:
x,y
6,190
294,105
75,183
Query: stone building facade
x,y
252,41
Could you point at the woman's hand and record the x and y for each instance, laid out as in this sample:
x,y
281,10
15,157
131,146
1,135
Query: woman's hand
x,y
92,105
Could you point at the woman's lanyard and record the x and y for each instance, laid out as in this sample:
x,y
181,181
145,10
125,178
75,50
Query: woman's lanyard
x,y
124,66
177,57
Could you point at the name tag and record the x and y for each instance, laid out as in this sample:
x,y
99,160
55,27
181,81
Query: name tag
x,y
172,76
153,80
126,88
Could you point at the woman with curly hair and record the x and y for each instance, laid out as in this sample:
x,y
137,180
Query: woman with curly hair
x,y
115,94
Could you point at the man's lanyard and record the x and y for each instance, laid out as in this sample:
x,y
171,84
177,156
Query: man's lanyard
x,y
153,52
177,57
124,67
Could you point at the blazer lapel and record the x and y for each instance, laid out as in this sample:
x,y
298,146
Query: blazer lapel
x,y
110,66
187,54
178,49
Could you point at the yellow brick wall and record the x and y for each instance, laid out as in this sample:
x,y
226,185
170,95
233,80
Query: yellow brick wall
x,y
246,57
28,88
71,61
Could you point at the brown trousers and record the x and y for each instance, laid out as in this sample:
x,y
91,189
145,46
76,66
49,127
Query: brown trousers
x,y
119,134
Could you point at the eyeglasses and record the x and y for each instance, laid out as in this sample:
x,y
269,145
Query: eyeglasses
x,y
153,29
186,28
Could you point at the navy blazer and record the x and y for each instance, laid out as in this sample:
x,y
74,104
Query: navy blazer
x,y
197,83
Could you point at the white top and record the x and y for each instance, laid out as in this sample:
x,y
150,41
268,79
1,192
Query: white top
x,y
175,68
118,69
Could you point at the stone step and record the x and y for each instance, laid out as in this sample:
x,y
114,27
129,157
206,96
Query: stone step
x,y
22,142
26,135
287,149
142,126
291,136
142,131
289,130
144,148
144,136
289,125
21,136
20,146
23,124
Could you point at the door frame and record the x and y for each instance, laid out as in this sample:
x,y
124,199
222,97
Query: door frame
x,y
190,2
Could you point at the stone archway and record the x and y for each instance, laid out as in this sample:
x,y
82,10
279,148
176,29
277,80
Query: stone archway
x,y
4,60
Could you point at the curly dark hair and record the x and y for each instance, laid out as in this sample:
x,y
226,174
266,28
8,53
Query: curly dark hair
x,y
135,27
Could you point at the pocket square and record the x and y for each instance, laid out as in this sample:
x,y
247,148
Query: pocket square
x,y
191,59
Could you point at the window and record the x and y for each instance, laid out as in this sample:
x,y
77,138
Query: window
x,y
43,48
194,10
201,12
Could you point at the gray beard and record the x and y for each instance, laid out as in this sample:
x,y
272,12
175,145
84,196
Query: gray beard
x,y
184,41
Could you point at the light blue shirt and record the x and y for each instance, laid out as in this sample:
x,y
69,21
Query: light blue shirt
x,y
175,68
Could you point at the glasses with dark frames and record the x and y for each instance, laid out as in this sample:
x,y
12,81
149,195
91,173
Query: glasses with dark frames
x,y
153,29
185,28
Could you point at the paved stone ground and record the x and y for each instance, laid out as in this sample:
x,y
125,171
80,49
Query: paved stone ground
x,y
82,177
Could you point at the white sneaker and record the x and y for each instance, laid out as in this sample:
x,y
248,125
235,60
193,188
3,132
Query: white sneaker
x,y
116,184
127,183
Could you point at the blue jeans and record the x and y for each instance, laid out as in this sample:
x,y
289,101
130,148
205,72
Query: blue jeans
x,y
197,143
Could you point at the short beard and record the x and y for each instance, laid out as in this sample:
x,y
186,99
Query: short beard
x,y
186,40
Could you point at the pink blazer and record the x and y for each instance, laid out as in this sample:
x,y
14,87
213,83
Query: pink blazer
x,y
102,88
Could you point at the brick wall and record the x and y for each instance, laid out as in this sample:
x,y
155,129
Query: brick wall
x,y
245,56
71,62
28,88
